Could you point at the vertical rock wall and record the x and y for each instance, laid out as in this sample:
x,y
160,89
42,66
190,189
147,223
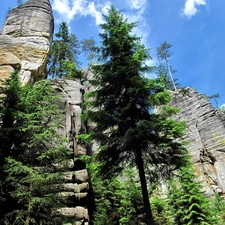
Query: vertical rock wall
x,y
25,39
205,134
76,191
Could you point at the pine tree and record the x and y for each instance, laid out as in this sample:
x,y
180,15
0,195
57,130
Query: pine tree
x,y
105,203
189,204
161,208
63,57
10,104
9,137
90,50
131,203
31,175
115,200
122,106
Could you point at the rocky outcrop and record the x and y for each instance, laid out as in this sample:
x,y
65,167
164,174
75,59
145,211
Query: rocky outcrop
x,y
76,178
205,134
25,39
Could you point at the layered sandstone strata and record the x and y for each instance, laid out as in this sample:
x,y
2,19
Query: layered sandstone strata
x,y
25,40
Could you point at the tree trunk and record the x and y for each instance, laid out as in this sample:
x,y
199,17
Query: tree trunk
x,y
140,166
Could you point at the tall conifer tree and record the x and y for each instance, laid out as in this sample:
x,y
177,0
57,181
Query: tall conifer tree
x,y
122,106
63,54
31,153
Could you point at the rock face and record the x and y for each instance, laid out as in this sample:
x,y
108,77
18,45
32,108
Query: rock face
x,y
205,134
76,177
25,39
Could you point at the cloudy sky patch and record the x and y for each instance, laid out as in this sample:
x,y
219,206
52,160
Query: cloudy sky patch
x,y
69,9
199,64
191,7
138,4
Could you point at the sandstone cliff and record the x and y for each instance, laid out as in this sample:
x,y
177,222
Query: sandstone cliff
x,y
77,187
205,134
25,40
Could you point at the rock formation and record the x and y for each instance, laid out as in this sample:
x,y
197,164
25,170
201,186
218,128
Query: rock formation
x,y
77,187
25,40
205,134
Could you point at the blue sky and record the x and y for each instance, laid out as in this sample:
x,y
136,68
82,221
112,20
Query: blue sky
x,y
195,28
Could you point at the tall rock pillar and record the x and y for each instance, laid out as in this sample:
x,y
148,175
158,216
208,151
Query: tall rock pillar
x,y
76,176
25,40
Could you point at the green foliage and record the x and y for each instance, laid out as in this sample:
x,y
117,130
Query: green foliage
x,y
105,193
122,107
161,210
31,153
90,50
63,54
116,200
71,70
131,204
218,206
63,57
190,206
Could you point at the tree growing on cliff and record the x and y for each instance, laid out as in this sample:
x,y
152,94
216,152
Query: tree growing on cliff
x,y
65,49
31,154
164,70
122,106
63,57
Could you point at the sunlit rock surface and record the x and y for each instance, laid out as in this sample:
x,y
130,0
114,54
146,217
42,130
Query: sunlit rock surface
x,y
205,134
25,40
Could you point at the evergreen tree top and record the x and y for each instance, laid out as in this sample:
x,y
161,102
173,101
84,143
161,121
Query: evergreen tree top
x,y
122,105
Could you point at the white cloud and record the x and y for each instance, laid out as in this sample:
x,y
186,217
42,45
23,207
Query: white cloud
x,y
137,15
138,4
95,13
106,7
68,9
190,8
134,11
61,6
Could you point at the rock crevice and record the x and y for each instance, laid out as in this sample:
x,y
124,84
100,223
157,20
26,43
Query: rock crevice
x,y
76,178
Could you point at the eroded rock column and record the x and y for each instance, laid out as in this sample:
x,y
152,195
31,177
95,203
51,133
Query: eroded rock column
x,y
25,40
76,178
